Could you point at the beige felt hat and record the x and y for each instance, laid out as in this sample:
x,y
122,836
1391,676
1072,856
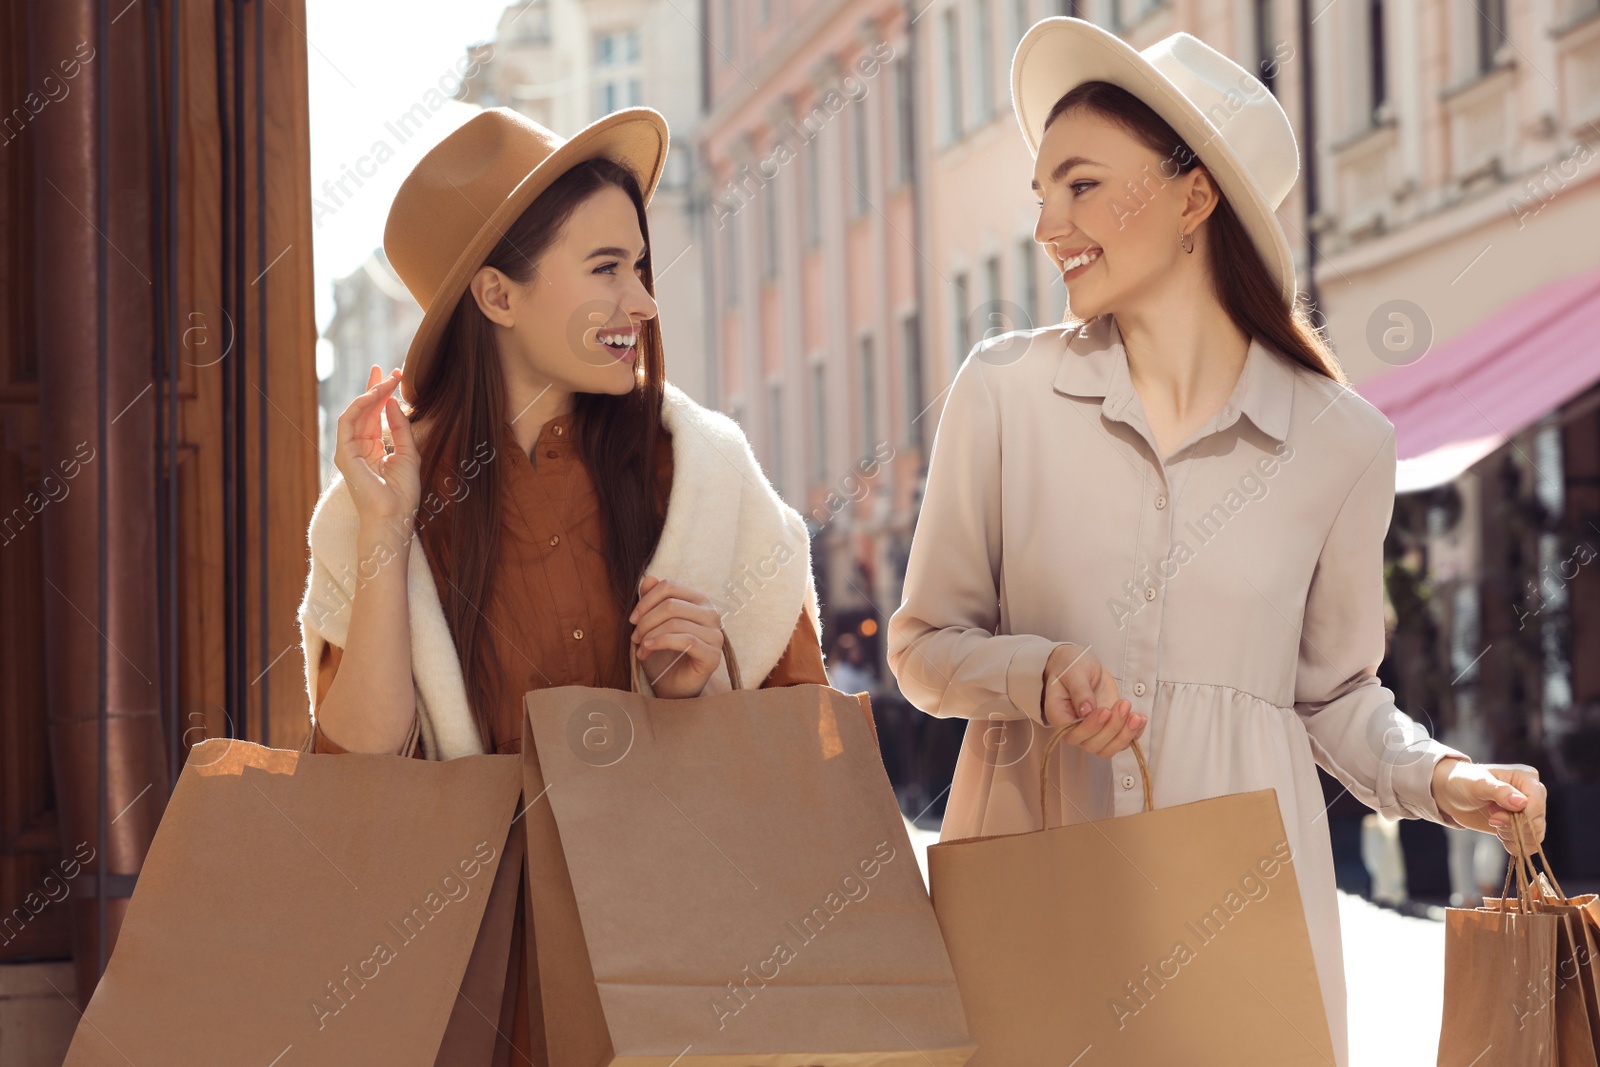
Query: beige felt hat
x,y
1223,112
457,201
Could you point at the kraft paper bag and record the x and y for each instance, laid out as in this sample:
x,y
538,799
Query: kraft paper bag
x,y
1520,971
300,908
727,881
1175,935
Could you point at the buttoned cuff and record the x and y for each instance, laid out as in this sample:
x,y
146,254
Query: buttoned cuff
x,y
1025,675
1413,780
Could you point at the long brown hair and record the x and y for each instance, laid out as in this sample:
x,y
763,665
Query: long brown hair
x,y
1247,289
462,404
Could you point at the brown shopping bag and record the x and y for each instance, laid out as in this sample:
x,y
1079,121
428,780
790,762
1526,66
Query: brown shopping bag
x,y
1520,973
304,908
727,881
1172,936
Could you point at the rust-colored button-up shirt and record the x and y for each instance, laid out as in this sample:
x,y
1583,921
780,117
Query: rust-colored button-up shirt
x,y
552,621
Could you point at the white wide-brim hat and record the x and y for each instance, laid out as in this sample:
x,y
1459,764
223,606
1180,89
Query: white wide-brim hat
x,y
1224,113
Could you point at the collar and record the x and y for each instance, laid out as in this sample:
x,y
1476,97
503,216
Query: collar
x,y
1095,363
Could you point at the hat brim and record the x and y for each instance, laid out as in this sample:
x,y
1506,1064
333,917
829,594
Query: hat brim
x,y
635,137
1058,54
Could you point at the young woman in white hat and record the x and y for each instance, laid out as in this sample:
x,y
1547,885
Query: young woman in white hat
x,y
552,508
1163,520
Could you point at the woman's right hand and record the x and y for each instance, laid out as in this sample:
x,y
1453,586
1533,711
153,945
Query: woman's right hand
x,y
386,486
1081,695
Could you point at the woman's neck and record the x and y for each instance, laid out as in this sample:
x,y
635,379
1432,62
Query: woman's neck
x,y
1189,356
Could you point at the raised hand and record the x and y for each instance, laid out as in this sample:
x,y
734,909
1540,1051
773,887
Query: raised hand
x,y
386,486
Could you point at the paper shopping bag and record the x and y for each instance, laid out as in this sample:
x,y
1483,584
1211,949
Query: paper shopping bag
x,y
1519,984
727,881
1175,935
315,909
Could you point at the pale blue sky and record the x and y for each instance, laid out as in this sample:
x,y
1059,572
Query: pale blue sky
x,y
369,62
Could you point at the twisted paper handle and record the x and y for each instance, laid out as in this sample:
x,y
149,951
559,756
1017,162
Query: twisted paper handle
x,y
1044,771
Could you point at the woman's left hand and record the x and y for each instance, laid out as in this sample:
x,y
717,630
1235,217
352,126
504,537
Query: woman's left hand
x,y
1481,796
678,636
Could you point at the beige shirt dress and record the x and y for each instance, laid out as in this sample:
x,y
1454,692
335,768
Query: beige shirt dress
x,y
1234,589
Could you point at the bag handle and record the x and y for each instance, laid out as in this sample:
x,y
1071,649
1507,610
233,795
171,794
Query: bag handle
x,y
413,738
1521,864
1044,770
636,671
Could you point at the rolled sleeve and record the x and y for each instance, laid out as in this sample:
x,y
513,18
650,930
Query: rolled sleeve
x,y
943,644
1358,734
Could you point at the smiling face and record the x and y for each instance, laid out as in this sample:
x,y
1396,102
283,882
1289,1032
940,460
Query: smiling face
x,y
574,324
1111,210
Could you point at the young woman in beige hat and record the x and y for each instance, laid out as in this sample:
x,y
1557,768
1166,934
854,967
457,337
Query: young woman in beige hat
x,y
552,507
1163,520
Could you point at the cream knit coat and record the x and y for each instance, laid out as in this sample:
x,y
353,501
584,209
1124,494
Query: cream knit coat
x,y
728,535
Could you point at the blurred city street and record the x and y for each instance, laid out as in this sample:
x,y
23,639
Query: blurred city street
x,y
897,298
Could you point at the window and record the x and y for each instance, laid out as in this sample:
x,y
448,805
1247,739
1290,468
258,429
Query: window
x,y
911,352
617,70
725,31
1266,44
869,396
731,233
533,22
858,127
1377,81
905,130
983,95
617,48
1490,16
819,422
813,151
769,241
961,336
951,25
1019,21
775,423
993,319
1028,279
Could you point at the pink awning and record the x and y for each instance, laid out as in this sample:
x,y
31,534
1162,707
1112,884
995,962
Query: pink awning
x,y
1468,396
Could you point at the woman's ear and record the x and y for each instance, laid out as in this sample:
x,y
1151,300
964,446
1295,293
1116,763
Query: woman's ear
x,y
1200,198
493,293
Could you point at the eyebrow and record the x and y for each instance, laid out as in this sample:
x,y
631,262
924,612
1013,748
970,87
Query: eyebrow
x,y
1061,169
612,250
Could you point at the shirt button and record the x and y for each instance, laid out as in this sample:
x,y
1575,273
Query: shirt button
x,y
1149,593
1127,781
578,634
1138,689
1161,501
555,539
556,430
550,452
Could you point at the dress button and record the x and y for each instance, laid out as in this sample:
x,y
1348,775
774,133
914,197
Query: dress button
x,y
1149,593
556,430
1127,781
1138,689
555,539
1161,501
578,634
550,452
